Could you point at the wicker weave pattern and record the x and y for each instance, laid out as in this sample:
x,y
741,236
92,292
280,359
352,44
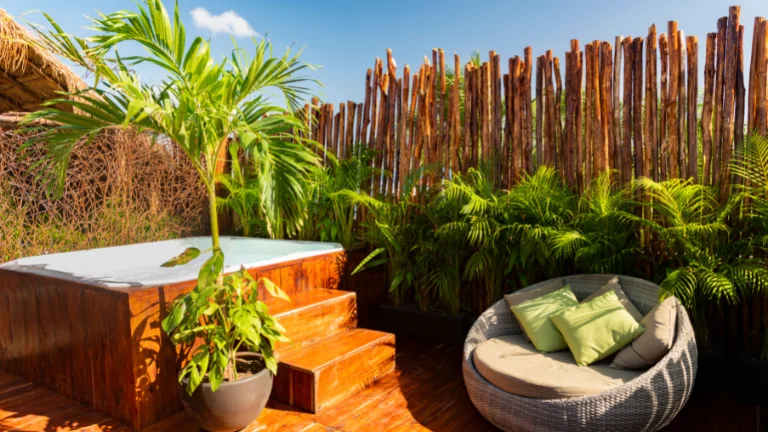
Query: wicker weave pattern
x,y
646,403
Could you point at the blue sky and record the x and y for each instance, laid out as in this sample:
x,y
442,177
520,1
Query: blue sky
x,y
344,37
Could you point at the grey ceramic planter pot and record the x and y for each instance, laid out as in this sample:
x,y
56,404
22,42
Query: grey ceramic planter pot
x,y
232,406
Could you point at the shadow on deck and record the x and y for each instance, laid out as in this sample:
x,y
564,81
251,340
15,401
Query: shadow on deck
x,y
426,392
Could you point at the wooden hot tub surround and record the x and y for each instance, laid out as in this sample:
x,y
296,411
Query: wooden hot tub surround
x,y
104,346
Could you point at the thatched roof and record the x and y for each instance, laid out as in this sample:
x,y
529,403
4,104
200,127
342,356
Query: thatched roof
x,y
29,75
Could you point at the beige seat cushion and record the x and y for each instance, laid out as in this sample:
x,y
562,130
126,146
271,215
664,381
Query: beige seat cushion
x,y
613,285
655,343
513,365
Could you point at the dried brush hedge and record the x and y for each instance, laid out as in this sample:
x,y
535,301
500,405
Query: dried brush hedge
x,y
121,189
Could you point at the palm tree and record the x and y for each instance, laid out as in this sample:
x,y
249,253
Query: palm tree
x,y
201,104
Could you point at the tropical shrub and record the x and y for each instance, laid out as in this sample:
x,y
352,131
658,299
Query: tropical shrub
x,y
602,236
226,315
201,106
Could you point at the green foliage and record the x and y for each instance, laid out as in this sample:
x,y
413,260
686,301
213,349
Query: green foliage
x,y
201,105
602,236
330,216
223,315
703,261
392,230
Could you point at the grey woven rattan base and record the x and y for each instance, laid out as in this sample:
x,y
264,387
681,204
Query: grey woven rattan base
x,y
646,403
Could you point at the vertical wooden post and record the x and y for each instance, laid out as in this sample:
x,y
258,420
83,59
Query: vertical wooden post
x,y
349,133
402,137
651,109
682,112
580,158
558,117
692,45
650,159
487,115
527,129
729,99
663,94
374,96
456,115
598,137
751,101
616,105
496,113
606,103
467,153
629,61
672,99
637,106
722,23
517,80
706,111
588,114
539,111
738,132
366,107
359,135
550,133
761,75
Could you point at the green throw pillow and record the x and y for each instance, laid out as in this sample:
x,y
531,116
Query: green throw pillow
x,y
533,315
597,328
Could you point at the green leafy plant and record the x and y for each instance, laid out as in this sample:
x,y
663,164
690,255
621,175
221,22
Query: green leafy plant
x,y
602,235
201,105
223,315
440,256
540,206
703,259
331,216
390,228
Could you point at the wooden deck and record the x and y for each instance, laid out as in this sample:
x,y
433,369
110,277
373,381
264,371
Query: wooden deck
x,y
426,392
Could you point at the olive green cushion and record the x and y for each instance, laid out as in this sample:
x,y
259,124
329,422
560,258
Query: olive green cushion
x,y
613,285
533,315
596,329
524,295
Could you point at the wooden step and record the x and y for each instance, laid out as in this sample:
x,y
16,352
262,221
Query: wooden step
x,y
314,314
346,362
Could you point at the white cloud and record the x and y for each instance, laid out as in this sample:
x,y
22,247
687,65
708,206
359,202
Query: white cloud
x,y
228,22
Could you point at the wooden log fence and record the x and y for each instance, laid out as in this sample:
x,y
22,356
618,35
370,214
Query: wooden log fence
x,y
630,106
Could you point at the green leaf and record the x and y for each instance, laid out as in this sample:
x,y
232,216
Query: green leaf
x,y
274,290
188,255
364,263
211,270
174,318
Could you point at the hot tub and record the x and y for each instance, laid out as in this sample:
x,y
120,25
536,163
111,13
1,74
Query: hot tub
x,y
87,324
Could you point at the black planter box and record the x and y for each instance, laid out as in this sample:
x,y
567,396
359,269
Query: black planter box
x,y
409,320
711,372
752,378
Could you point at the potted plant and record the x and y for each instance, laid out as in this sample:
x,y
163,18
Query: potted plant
x,y
228,379
202,106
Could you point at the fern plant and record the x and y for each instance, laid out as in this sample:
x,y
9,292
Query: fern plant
x,y
703,261
441,255
483,223
751,166
602,236
390,228
329,216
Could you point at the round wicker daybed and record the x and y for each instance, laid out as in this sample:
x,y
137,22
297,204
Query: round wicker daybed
x,y
646,403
